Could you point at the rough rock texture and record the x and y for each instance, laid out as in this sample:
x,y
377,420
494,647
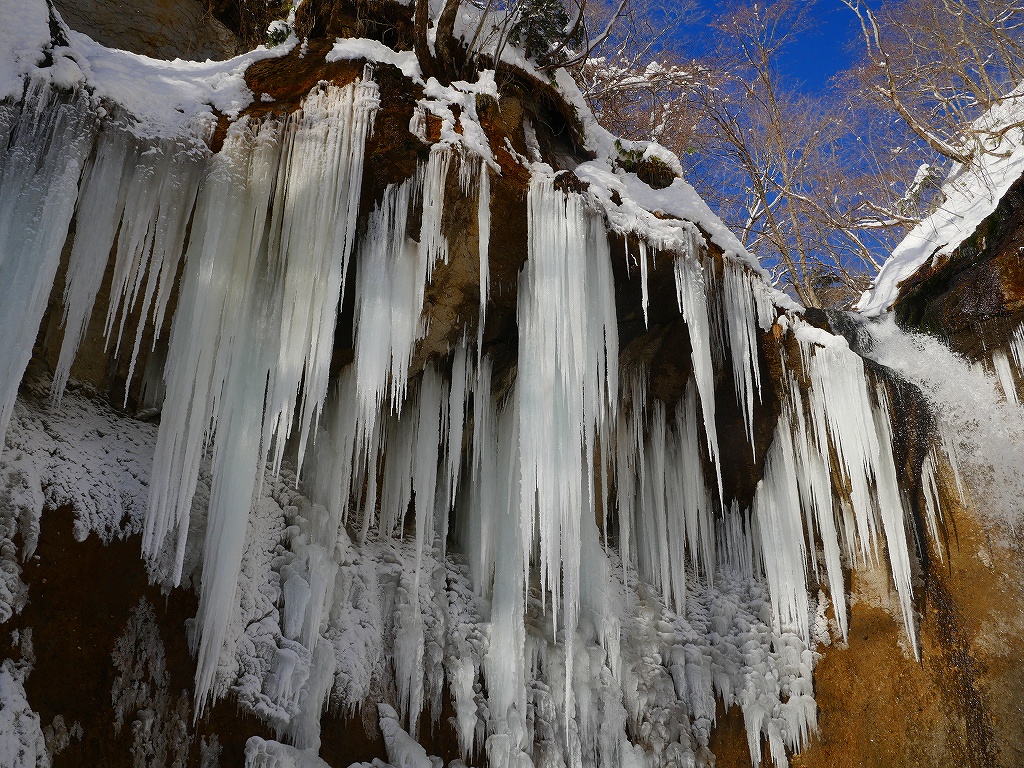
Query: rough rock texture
x,y
878,706
163,29
974,297
962,704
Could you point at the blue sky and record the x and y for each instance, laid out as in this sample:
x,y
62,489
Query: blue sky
x,y
820,52
825,48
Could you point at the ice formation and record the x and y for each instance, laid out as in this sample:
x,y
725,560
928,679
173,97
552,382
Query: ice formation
x,y
159,721
22,743
554,550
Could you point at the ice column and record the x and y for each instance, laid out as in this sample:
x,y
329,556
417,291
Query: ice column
x,y
243,337
567,379
746,308
39,173
692,299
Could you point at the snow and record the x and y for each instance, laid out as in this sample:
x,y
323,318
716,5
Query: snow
x,y
364,49
24,33
403,751
165,98
82,454
266,753
21,738
379,538
969,195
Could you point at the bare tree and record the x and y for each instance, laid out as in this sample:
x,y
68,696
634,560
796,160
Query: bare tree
x,y
787,170
940,64
819,187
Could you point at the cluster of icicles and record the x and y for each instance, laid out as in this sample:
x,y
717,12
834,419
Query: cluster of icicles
x,y
523,481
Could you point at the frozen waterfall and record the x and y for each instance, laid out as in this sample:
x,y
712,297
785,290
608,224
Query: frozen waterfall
x,y
554,548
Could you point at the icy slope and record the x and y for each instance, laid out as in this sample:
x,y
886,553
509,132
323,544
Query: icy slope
x,y
969,195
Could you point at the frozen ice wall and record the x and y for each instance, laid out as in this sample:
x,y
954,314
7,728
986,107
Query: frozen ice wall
x,y
270,222
46,148
549,546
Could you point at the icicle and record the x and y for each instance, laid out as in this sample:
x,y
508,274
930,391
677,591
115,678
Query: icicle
x,y
693,305
220,266
483,219
932,504
457,401
629,458
653,554
334,461
843,416
386,312
949,448
1001,364
100,206
890,504
408,650
644,289
424,469
676,467
841,408
433,245
180,172
235,308
229,358
1017,348
318,192
484,485
695,501
505,662
561,388
777,509
815,486
39,173
744,310
735,542
398,470
158,202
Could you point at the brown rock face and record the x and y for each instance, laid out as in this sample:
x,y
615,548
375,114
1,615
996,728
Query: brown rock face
x,y
974,297
960,705
878,706
163,29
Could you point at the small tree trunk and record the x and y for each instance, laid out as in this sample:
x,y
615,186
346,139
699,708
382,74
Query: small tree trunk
x,y
444,43
421,22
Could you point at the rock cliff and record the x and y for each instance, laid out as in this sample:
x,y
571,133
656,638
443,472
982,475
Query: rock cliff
x,y
452,426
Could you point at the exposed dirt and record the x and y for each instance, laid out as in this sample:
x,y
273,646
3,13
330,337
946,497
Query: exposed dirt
x,y
81,595
961,704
